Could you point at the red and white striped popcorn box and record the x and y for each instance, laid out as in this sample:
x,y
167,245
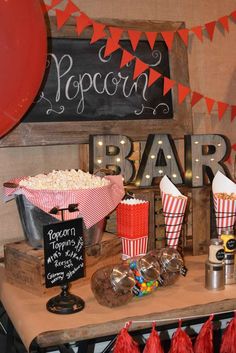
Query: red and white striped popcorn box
x,y
93,204
174,205
224,194
134,247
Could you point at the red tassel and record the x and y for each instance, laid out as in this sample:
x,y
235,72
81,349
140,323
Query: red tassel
x,y
204,341
125,343
228,343
153,344
180,342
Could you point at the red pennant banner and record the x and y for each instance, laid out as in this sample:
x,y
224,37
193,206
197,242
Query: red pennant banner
x,y
233,15
224,21
134,38
183,33
139,68
111,46
168,38
204,341
98,32
183,91
126,58
196,97
153,76
198,32
168,84
53,4
209,102
83,21
62,16
151,37
115,33
210,27
233,112
222,109
153,343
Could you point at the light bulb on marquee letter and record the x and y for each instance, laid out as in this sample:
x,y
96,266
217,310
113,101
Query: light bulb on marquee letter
x,y
204,156
112,152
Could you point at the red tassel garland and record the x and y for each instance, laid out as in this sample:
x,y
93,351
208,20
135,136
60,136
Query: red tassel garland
x,y
153,344
204,341
228,343
125,343
180,342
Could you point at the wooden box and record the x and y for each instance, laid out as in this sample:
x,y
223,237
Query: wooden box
x,y
25,265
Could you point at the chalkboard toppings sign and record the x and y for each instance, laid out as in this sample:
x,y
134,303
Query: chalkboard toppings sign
x,y
64,252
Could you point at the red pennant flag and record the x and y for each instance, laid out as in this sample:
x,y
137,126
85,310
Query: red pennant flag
x,y
139,68
233,15
183,33
228,342
134,38
183,91
209,102
53,4
181,342
168,84
224,21
168,38
83,21
125,343
210,27
126,58
221,109
233,112
116,33
98,32
198,32
204,341
153,344
153,76
62,16
151,37
111,46
196,97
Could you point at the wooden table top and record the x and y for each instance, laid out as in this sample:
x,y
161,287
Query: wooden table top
x,y
187,298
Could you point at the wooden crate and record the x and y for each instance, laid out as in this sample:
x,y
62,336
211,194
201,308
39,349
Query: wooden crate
x,y
25,265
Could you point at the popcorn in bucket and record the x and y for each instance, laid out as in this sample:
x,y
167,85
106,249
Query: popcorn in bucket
x,y
174,206
132,227
224,194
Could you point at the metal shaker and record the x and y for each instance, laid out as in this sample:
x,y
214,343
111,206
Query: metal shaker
x,y
214,276
229,268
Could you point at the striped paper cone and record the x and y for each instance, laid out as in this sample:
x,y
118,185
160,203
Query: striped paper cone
x,y
134,247
225,211
224,194
174,206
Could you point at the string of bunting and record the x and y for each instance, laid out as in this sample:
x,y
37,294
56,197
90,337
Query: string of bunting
x,y
83,21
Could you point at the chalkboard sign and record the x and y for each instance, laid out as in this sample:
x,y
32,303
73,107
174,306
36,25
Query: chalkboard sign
x,y
81,85
64,252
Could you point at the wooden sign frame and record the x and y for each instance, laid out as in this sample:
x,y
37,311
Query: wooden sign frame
x,y
33,134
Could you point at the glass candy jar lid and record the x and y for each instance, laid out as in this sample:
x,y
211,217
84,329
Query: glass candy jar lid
x,y
171,259
149,267
122,278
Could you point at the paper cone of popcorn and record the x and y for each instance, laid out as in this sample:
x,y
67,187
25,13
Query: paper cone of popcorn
x,y
174,205
132,227
224,194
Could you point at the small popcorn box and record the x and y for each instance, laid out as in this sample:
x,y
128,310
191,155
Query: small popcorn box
x,y
132,227
134,247
174,206
224,194
132,218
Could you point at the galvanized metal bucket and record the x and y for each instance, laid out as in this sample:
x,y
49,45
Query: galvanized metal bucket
x,y
33,219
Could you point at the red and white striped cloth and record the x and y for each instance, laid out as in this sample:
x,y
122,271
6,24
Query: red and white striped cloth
x,y
134,247
93,204
225,211
173,209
